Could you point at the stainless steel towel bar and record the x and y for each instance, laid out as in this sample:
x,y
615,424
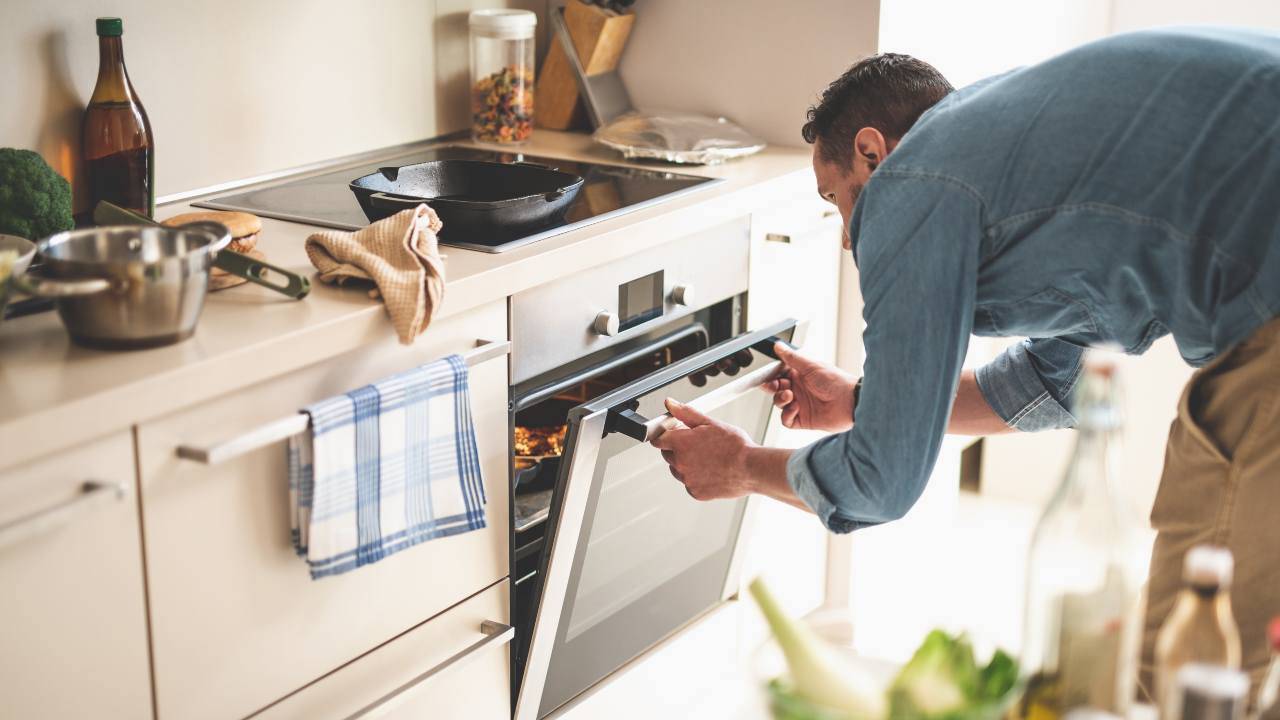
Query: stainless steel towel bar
x,y
286,427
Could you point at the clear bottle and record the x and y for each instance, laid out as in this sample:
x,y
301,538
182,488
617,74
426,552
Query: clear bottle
x,y
1084,572
1269,691
117,146
1201,628
1208,692
502,64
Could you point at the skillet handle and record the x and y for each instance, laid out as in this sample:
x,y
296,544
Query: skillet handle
x,y
295,286
540,166
397,202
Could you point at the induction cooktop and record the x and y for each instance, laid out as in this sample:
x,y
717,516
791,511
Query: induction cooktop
x,y
325,200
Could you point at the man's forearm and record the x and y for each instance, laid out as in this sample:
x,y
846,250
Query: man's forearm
x,y
767,469
971,415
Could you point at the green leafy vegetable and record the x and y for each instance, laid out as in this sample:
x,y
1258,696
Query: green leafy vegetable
x,y
35,201
942,680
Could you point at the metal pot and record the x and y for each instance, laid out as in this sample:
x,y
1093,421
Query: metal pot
x,y
131,286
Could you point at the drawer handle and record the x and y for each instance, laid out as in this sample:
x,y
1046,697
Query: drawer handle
x,y
496,634
92,494
284,428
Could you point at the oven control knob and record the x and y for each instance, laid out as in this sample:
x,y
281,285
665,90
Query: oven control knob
x,y
606,323
682,295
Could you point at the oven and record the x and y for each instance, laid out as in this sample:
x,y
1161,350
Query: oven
x,y
609,554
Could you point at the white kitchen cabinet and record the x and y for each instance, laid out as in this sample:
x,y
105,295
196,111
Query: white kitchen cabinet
x,y
455,665
73,625
237,622
795,272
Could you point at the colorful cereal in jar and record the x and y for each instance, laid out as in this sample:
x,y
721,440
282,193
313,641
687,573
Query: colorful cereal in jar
x,y
502,106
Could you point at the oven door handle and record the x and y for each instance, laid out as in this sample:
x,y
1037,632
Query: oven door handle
x,y
634,425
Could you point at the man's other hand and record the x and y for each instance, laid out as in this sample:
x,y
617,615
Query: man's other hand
x,y
708,456
812,395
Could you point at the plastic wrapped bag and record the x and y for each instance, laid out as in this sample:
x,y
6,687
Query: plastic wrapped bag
x,y
678,138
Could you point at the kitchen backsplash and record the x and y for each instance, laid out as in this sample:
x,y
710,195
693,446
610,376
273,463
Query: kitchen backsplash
x,y
758,62
241,87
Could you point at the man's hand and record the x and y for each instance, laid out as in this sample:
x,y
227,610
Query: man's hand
x,y
708,456
812,395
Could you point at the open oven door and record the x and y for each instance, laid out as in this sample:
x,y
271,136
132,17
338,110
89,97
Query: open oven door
x,y
632,558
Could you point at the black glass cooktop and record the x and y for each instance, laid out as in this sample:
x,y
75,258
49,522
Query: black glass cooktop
x,y
609,191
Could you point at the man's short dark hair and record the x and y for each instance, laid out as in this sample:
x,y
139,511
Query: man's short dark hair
x,y
888,92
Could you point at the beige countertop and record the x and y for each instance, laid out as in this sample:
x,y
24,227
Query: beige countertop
x,y
56,395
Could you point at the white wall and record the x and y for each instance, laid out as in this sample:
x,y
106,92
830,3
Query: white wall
x,y
968,41
1135,14
240,87
760,63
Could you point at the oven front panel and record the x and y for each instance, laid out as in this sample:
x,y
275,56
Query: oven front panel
x,y
633,557
571,318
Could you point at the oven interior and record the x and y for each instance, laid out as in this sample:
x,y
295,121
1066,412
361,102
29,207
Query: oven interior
x,y
539,420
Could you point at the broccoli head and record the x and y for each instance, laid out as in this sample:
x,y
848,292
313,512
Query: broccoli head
x,y
35,201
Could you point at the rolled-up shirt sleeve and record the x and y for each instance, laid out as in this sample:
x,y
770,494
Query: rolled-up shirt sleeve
x,y
1029,385
918,247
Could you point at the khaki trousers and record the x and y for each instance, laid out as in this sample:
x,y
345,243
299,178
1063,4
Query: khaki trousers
x,y
1221,485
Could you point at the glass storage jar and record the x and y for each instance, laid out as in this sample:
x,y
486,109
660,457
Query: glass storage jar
x,y
502,60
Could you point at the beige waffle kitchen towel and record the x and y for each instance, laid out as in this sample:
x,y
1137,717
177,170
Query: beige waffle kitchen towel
x,y
400,254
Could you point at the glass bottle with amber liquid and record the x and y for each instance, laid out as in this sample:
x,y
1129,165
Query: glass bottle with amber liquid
x,y
1084,574
118,150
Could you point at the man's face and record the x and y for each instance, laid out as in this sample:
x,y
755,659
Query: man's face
x,y
841,186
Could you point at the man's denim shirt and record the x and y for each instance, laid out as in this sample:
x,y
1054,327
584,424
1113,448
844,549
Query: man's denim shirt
x,y
1120,192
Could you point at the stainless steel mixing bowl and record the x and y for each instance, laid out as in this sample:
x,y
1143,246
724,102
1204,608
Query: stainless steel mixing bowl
x,y
126,287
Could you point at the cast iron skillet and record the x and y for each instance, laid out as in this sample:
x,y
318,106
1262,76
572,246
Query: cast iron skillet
x,y
474,199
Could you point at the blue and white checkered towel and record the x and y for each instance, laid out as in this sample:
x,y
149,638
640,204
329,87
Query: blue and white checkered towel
x,y
386,467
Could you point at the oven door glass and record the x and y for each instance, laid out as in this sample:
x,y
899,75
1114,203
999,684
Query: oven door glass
x,y
632,557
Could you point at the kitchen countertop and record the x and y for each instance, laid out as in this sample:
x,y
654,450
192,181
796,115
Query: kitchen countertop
x,y
55,394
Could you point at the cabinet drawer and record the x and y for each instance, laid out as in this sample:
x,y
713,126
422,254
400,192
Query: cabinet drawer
x,y
448,667
73,624
236,619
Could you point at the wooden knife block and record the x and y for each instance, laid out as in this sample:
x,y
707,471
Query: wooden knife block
x,y
599,36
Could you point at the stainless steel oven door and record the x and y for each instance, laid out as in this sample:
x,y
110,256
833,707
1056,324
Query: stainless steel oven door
x,y
632,557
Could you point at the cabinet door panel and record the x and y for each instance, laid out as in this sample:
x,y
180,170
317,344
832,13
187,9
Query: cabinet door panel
x,y
447,667
73,626
238,622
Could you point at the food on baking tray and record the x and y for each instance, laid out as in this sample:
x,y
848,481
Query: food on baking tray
x,y
539,441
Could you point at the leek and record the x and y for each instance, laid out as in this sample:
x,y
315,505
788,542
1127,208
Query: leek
x,y
819,673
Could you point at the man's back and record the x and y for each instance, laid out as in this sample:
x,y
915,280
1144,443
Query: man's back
x,y
1127,188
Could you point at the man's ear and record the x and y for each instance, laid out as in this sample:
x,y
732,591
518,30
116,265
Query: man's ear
x,y
870,147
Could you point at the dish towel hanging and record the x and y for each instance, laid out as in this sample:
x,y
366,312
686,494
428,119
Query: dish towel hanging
x,y
386,467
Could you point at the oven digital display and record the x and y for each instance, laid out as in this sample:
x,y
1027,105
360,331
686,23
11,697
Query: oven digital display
x,y
639,300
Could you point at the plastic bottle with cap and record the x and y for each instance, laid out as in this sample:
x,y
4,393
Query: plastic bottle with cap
x,y
1201,628
1208,692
